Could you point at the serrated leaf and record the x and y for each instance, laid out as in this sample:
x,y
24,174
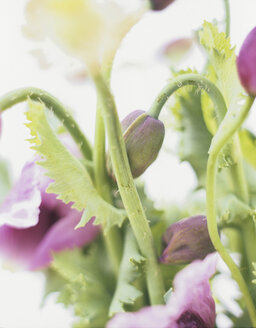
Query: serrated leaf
x,y
126,293
233,210
195,139
223,73
87,286
72,183
223,60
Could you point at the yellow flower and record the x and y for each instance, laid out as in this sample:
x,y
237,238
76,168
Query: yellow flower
x,y
89,29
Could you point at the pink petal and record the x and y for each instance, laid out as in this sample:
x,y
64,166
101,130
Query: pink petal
x,y
21,206
191,302
62,236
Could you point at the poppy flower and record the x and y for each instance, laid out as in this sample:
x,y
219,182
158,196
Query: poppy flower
x,y
35,224
190,305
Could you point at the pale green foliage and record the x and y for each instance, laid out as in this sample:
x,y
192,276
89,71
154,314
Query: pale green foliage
x,y
130,269
86,286
233,210
72,183
194,137
248,145
222,58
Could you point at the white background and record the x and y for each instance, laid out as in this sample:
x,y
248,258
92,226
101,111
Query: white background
x,y
137,78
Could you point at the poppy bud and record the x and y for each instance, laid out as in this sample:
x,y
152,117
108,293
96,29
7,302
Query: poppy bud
x,y
246,63
143,136
160,4
187,240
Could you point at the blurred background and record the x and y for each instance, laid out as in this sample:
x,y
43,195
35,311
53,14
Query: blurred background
x,y
139,73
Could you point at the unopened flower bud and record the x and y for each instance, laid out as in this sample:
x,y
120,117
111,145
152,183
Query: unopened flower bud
x,y
143,136
246,63
187,240
160,4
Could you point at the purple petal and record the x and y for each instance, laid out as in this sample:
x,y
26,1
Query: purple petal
x,y
148,317
187,240
20,244
62,236
192,291
21,206
246,63
190,305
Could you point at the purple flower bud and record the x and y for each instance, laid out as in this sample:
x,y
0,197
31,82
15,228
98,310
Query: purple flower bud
x,y
143,136
160,4
187,240
246,63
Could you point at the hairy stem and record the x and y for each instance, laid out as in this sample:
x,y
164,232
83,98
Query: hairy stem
x,y
20,95
112,237
129,193
183,80
215,149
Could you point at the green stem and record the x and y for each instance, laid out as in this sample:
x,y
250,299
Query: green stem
x,y
129,193
197,80
20,95
211,204
112,238
237,171
227,18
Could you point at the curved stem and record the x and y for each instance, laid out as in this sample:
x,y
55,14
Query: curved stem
x,y
129,193
211,204
20,95
197,80
227,18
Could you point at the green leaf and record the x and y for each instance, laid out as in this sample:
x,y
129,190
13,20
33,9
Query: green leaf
x,y
233,210
87,288
223,60
248,145
223,72
72,183
194,137
126,293
5,183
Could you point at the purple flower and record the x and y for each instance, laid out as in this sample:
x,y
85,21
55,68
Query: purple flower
x,y
186,241
190,305
160,4
36,223
143,136
246,63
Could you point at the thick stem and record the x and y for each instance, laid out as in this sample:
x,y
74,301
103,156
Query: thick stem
x,y
129,193
112,237
211,204
20,95
197,80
